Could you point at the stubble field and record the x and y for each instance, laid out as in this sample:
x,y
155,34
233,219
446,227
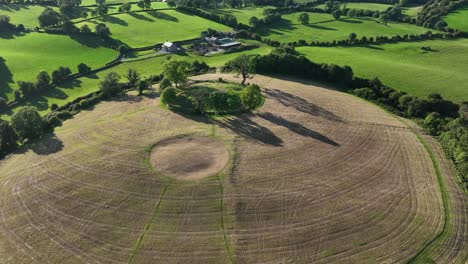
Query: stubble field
x,y
314,176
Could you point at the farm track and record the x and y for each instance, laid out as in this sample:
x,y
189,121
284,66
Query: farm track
x,y
319,177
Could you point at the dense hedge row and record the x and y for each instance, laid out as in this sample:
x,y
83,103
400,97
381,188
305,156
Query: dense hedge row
x,y
431,14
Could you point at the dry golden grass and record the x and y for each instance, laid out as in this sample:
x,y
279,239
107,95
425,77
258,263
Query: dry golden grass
x,y
316,176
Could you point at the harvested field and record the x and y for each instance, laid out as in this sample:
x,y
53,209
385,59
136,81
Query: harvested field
x,y
190,158
315,176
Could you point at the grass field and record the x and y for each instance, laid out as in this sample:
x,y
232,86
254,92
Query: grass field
x,y
405,66
458,19
146,67
242,14
323,27
24,56
410,11
152,27
320,176
23,14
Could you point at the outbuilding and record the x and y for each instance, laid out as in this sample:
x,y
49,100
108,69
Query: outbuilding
x,y
169,47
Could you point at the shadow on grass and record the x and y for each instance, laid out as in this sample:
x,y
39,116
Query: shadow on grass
x,y
6,78
11,35
297,128
164,16
114,20
314,26
351,21
141,17
13,7
48,144
244,126
300,104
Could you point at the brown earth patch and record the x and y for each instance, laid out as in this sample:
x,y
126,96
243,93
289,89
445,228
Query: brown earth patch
x,y
189,157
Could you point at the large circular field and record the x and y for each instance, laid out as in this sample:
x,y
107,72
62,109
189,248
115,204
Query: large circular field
x,y
313,176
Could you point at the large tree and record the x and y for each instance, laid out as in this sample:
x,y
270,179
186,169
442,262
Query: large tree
x,y
254,21
8,138
304,18
242,65
103,31
110,85
27,123
177,71
133,77
49,17
251,96
43,81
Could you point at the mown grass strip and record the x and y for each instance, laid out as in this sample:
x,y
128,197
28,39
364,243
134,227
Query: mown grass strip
x,y
148,225
421,255
226,240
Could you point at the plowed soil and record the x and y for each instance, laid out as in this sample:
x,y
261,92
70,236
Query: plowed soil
x,y
315,176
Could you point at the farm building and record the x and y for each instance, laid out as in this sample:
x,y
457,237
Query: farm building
x,y
169,47
222,42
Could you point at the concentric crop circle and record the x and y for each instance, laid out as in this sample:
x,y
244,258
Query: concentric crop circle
x,y
189,157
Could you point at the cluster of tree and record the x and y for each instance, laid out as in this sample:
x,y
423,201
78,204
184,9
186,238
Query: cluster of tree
x,y
50,17
144,4
220,102
69,27
25,125
67,7
44,81
453,135
269,18
432,12
285,60
126,7
212,100
7,26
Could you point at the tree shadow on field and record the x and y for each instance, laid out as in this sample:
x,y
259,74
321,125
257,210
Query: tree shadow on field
x,y
11,35
297,128
164,16
114,20
246,127
320,27
300,104
6,77
141,17
351,21
48,144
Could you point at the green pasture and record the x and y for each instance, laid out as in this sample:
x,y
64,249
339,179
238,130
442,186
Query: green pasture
x,y
410,11
458,19
323,27
22,57
146,67
242,14
152,27
23,14
404,66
